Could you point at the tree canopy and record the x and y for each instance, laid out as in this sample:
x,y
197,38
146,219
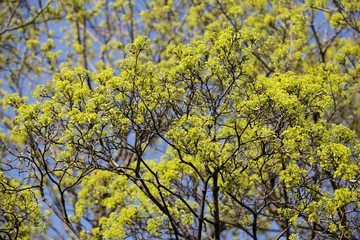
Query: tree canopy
x,y
160,119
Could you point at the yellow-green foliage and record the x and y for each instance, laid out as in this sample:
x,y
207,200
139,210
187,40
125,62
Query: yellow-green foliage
x,y
20,210
181,119
227,139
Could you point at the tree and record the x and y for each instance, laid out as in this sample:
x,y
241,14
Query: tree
x,y
229,119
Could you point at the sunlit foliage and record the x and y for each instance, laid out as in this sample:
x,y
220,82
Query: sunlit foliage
x,y
180,119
